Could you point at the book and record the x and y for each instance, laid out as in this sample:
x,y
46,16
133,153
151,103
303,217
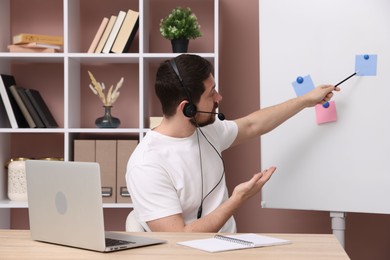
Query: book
x,y
22,106
4,121
39,45
14,113
220,243
105,34
126,33
30,107
98,35
23,48
7,105
114,32
39,38
41,108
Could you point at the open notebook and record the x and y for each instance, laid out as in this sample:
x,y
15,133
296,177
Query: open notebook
x,y
220,243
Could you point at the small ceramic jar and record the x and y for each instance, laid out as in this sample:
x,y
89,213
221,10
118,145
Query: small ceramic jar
x,y
17,183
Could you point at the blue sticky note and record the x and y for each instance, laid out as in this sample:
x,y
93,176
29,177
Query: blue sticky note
x,y
303,85
365,65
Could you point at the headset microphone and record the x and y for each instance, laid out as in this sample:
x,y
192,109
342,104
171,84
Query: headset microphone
x,y
220,115
190,111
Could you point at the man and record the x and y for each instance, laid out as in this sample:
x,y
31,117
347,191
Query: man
x,y
176,174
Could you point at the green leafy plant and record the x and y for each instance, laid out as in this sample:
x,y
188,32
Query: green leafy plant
x,y
181,23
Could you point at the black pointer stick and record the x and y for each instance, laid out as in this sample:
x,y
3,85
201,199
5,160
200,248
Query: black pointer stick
x,y
345,79
326,104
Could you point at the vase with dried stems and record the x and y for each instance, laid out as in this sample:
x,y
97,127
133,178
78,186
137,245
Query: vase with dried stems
x,y
107,120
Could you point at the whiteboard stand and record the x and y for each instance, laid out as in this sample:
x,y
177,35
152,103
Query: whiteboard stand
x,y
338,226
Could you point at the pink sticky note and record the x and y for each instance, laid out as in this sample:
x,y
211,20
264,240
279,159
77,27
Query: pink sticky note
x,y
326,115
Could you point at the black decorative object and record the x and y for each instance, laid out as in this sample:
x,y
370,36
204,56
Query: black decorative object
x,y
180,45
107,121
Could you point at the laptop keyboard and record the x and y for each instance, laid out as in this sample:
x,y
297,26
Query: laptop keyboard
x,y
117,242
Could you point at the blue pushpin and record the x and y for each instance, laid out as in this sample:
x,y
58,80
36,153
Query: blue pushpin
x,y
366,56
325,105
300,80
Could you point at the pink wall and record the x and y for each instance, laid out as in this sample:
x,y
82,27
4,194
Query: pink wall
x,y
367,235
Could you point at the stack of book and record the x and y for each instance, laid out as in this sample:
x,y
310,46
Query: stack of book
x,y
25,107
115,34
27,42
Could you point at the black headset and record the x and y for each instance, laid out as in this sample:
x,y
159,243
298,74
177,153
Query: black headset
x,y
189,109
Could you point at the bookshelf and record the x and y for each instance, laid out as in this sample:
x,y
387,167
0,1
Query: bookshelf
x,y
62,77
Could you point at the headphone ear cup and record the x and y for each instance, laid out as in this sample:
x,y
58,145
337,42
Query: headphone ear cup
x,y
189,110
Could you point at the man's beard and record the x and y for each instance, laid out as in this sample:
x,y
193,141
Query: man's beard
x,y
209,121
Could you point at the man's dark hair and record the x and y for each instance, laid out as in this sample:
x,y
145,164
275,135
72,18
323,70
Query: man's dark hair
x,y
193,70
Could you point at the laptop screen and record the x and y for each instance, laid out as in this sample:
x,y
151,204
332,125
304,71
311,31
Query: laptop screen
x,y
65,203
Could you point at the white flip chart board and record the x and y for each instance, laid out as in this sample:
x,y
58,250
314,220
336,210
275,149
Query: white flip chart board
x,y
343,165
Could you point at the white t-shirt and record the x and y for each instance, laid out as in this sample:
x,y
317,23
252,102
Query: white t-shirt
x,y
164,174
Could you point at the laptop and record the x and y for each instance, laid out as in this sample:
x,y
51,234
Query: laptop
x,y
65,207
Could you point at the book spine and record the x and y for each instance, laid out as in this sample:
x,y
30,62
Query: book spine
x,y
126,33
30,107
106,33
41,107
22,106
14,113
47,39
40,45
114,32
18,48
7,104
98,35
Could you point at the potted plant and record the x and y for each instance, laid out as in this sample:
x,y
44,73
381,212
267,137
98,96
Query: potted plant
x,y
180,26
